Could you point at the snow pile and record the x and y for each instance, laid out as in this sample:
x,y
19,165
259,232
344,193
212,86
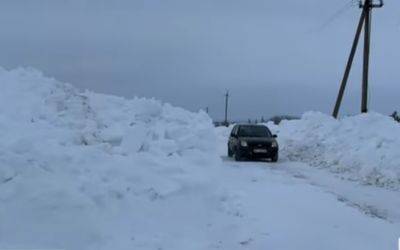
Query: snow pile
x,y
363,147
89,171
223,133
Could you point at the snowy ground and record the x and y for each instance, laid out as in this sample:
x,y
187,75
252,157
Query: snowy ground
x,y
89,171
291,205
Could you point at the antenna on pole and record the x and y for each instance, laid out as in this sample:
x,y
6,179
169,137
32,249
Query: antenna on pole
x,y
365,20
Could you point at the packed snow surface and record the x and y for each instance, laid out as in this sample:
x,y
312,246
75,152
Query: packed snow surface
x,y
363,147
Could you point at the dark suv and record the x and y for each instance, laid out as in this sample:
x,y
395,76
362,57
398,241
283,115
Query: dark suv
x,y
252,141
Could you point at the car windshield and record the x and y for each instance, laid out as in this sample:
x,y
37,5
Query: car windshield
x,y
254,131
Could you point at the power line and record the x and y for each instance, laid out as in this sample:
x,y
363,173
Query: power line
x,y
334,16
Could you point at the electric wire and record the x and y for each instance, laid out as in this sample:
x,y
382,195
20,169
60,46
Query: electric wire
x,y
335,16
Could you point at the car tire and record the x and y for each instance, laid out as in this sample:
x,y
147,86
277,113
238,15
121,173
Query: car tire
x,y
275,158
230,153
238,156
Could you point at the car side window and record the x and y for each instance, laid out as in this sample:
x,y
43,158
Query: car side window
x,y
237,131
234,131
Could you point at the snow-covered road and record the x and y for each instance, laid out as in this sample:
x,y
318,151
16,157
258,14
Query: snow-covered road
x,y
290,205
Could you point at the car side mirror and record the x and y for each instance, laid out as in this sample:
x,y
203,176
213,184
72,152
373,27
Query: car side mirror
x,y
274,136
233,135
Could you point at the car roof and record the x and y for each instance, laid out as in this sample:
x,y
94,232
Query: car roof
x,y
251,125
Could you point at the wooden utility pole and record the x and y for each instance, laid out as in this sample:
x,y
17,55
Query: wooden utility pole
x,y
365,20
226,108
348,66
367,31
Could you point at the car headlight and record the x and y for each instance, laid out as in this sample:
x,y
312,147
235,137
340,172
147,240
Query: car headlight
x,y
243,143
274,144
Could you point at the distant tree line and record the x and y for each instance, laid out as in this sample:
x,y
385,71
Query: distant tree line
x,y
275,119
278,118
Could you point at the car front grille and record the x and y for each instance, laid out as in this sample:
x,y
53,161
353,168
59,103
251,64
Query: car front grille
x,y
259,144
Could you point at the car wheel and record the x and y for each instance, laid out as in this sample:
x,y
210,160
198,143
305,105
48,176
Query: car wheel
x,y
238,156
275,158
230,153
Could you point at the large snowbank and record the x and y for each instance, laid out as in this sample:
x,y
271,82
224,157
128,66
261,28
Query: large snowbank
x,y
363,147
83,170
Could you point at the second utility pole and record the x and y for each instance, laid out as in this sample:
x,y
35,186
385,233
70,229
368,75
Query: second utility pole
x,y
226,108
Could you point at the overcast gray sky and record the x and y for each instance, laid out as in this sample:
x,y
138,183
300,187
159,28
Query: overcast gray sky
x,y
276,57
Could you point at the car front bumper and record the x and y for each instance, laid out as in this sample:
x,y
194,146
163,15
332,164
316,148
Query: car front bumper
x,y
252,152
